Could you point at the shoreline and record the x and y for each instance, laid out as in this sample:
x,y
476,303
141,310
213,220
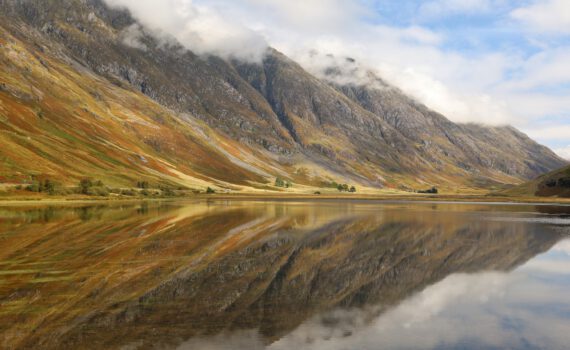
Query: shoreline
x,y
469,199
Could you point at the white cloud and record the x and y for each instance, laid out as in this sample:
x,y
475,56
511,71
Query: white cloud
x,y
132,36
552,133
564,152
546,16
198,28
563,246
312,15
547,68
438,8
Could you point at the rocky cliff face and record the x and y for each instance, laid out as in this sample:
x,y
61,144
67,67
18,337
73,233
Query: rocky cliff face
x,y
263,119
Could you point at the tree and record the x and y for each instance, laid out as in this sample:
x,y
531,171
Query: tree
x,y
210,190
143,184
49,186
352,189
33,187
85,185
279,182
432,190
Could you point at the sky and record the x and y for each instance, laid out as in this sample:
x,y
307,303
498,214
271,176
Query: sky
x,y
495,62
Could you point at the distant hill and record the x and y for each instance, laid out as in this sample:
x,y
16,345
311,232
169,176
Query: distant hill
x,y
76,101
554,184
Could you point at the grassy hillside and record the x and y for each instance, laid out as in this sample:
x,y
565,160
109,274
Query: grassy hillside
x,y
554,184
60,121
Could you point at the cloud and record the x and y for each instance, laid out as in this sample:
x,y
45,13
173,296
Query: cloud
x,y
312,15
198,28
439,8
552,133
552,16
519,81
562,247
132,36
563,152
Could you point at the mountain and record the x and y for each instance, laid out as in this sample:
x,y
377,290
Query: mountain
x,y
553,184
80,97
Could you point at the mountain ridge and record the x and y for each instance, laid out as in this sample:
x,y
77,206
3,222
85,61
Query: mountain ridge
x,y
257,120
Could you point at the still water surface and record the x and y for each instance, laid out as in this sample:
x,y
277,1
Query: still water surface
x,y
285,275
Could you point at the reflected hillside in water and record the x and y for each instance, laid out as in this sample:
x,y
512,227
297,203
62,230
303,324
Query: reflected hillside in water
x,y
161,274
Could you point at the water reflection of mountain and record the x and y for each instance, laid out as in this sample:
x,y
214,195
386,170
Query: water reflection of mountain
x,y
165,276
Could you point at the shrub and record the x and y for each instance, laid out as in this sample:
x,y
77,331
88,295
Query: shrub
x,y
564,182
93,188
128,193
33,187
98,191
84,185
210,190
432,190
48,186
143,184
168,192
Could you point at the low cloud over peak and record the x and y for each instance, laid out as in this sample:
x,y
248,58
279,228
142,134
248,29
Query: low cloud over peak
x,y
487,61
200,29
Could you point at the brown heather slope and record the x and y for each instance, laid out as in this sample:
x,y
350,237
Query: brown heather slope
x,y
75,101
64,122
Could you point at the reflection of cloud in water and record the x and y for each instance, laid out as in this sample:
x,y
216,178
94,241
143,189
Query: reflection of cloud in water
x,y
534,220
521,309
556,261
562,247
232,341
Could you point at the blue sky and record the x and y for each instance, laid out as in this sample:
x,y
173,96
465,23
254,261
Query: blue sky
x,y
487,61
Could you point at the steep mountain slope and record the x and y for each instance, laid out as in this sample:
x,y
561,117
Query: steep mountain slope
x,y
203,120
468,146
66,122
554,184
